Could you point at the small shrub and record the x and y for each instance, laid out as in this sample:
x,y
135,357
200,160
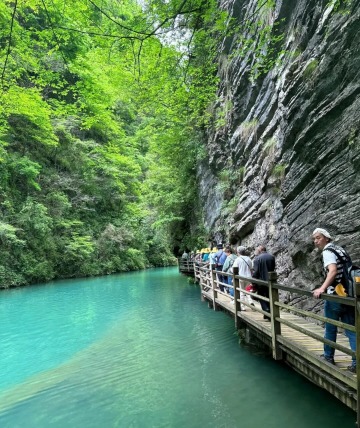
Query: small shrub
x,y
270,145
279,171
249,128
311,68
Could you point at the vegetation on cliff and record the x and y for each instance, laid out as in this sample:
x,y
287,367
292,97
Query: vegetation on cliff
x,y
101,116
104,108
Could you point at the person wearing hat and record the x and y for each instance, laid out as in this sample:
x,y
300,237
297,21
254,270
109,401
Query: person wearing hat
x,y
333,268
205,256
220,257
198,257
228,267
212,260
244,263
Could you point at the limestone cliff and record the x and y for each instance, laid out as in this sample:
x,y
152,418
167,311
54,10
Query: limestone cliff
x,y
285,158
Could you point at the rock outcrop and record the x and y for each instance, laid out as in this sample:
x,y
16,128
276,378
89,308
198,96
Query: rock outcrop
x,y
286,158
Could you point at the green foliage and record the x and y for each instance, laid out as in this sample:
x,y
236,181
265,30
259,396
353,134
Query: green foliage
x,y
239,175
249,128
8,235
221,114
260,39
101,119
270,145
230,206
279,171
341,6
310,68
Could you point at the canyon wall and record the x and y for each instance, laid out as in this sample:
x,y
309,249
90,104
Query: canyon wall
x,y
284,148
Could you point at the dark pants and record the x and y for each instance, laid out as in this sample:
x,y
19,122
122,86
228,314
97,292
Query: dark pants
x,y
221,278
346,314
263,291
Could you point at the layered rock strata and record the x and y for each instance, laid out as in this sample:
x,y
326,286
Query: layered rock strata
x,y
286,158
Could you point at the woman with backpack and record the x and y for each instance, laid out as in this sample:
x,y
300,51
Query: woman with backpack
x,y
227,267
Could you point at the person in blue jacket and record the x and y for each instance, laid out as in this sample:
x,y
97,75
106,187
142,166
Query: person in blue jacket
x,y
220,258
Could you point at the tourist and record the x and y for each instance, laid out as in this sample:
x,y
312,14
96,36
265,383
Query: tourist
x,y
333,270
198,257
244,264
185,255
220,258
228,267
212,259
205,256
263,264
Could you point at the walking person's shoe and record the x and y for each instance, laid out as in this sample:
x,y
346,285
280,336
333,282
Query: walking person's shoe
x,y
328,359
351,368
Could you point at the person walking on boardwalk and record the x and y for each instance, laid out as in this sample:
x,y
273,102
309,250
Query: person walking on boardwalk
x,y
185,255
228,267
245,265
212,260
263,264
333,268
220,258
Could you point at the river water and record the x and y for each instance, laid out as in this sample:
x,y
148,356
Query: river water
x,y
141,350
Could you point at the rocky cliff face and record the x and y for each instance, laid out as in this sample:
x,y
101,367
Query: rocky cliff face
x,y
285,158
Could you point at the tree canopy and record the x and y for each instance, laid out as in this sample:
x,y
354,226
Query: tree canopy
x,y
101,117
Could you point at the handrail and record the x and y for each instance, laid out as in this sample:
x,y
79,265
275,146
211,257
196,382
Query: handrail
x,y
276,305
315,316
209,281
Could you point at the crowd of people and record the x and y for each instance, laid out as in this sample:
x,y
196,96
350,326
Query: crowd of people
x,y
225,259
337,265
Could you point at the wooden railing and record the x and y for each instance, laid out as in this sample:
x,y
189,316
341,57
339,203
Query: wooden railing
x,y
186,266
210,288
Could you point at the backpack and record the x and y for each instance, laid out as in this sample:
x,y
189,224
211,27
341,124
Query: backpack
x,y
220,259
230,268
349,272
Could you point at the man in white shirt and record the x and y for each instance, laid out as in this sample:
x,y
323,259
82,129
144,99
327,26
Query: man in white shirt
x,y
333,268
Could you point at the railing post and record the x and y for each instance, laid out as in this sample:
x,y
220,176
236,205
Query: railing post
x,y
214,288
357,326
236,284
274,313
202,282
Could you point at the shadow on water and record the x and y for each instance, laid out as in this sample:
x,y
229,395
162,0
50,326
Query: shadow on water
x,y
142,350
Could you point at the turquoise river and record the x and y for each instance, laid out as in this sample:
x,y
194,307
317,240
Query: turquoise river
x,y
141,350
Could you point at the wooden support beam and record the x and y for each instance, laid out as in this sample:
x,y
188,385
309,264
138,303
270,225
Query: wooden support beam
x,y
214,288
236,284
274,316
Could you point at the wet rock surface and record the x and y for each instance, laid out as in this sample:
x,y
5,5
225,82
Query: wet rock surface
x,y
291,140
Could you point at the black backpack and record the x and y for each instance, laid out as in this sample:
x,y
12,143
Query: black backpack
x,y
349,271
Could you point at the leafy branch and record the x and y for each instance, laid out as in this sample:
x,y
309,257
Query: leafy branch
x,y
9,42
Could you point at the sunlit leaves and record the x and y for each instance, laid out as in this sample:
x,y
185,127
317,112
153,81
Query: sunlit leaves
x,y
100,121
27,103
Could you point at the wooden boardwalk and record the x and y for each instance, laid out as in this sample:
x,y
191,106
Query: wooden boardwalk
x,y
302,342
293,339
